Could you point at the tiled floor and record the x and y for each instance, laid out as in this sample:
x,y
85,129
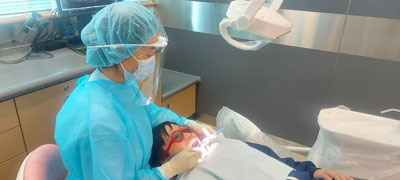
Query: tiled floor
x,y
208,119
211,120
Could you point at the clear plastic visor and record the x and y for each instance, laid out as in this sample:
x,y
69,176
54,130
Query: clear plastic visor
x,y
149,86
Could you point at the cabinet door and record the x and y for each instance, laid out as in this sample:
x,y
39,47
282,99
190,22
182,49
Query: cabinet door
x,y
8,115
9,169
11,144
38,110
182,103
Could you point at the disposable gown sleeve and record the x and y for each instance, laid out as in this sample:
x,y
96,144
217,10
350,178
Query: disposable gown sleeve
x,y
111,160
110,156
158,115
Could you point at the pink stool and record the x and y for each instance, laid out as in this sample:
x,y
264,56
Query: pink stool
x,y
43,163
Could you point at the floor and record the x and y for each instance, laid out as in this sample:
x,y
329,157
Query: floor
x,y
211,120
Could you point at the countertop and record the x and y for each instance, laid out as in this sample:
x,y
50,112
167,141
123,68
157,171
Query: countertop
x,y
173,82
32,75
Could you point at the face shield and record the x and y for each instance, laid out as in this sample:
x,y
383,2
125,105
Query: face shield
x,y
149,86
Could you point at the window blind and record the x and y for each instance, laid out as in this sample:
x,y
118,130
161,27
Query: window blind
x,y
8,7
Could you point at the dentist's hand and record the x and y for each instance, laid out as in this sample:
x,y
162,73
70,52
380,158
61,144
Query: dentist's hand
x,y
197,128
183,161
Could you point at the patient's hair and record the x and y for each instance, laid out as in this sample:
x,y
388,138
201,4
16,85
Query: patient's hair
x,y
157,153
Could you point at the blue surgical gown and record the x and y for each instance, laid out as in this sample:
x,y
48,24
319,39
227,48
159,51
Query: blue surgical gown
x,y
103,131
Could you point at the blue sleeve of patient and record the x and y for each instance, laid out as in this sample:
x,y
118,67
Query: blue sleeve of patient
x,y
303,170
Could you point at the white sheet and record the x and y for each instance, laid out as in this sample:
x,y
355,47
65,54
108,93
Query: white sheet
x,y
235,160
357,144
239,127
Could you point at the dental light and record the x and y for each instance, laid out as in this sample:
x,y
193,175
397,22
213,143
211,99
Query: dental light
x,y
253,16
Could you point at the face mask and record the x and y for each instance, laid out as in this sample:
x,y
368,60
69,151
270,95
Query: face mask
x,y
144,69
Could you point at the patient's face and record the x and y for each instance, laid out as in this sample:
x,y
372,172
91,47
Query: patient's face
x,y
177,147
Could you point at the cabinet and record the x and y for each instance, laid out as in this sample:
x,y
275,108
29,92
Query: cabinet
x,y
8,115
9,169
37,113
183,102
37,117
179,92
12,144
12,148
11,141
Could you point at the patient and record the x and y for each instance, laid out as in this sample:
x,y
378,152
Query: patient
x,y
232,159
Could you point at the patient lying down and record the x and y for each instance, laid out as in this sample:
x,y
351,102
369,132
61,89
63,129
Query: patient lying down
x,y
232,159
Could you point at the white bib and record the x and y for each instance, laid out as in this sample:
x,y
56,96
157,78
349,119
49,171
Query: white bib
x,y
235,160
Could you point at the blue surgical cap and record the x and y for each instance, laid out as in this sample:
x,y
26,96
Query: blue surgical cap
x,y
118,23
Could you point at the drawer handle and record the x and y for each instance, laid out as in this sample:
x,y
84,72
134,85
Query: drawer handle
x,y
167,106
66,88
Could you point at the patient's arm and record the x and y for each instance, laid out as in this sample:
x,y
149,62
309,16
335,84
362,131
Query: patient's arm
x,y
326,174
298,165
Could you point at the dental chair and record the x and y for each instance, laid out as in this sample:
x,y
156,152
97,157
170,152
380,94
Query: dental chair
x,y
43,163
352,143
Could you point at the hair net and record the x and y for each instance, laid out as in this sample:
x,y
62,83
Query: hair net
x,y
118,23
